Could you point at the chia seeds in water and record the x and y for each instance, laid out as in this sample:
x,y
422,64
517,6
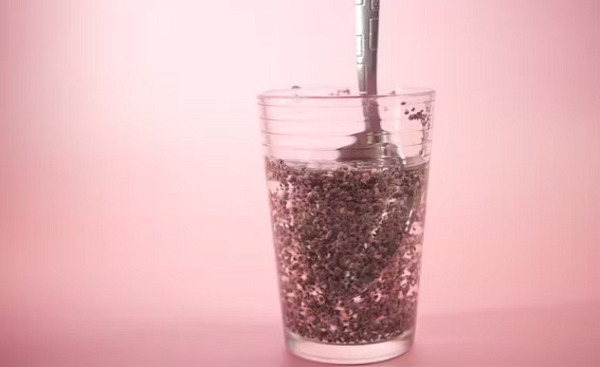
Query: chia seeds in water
x,y
348,241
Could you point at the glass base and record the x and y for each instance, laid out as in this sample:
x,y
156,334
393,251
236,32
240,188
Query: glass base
x,y
348,354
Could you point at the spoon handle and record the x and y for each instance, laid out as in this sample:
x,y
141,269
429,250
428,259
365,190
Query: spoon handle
x,y
367,35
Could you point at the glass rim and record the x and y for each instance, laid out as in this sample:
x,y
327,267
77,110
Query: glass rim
x,y
343,93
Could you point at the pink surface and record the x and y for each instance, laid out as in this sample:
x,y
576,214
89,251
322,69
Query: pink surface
x,y
543,336
132,197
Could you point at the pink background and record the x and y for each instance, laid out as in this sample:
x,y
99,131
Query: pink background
x,y
133,212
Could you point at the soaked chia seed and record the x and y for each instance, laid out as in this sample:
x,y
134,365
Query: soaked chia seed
x,y
348,243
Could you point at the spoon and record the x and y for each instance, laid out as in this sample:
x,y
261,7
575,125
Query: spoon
x,y
373,142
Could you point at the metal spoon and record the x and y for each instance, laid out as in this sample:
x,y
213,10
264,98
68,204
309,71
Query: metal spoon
x,y
373,142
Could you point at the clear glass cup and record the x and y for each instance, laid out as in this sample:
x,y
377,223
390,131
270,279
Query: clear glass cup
x,y
348,233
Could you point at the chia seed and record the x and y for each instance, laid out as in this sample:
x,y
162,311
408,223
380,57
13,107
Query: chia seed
x,y
348,239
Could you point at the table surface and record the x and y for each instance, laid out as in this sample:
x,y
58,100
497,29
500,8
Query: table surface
x,y
567,335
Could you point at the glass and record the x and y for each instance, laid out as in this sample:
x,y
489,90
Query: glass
x,y
348,234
